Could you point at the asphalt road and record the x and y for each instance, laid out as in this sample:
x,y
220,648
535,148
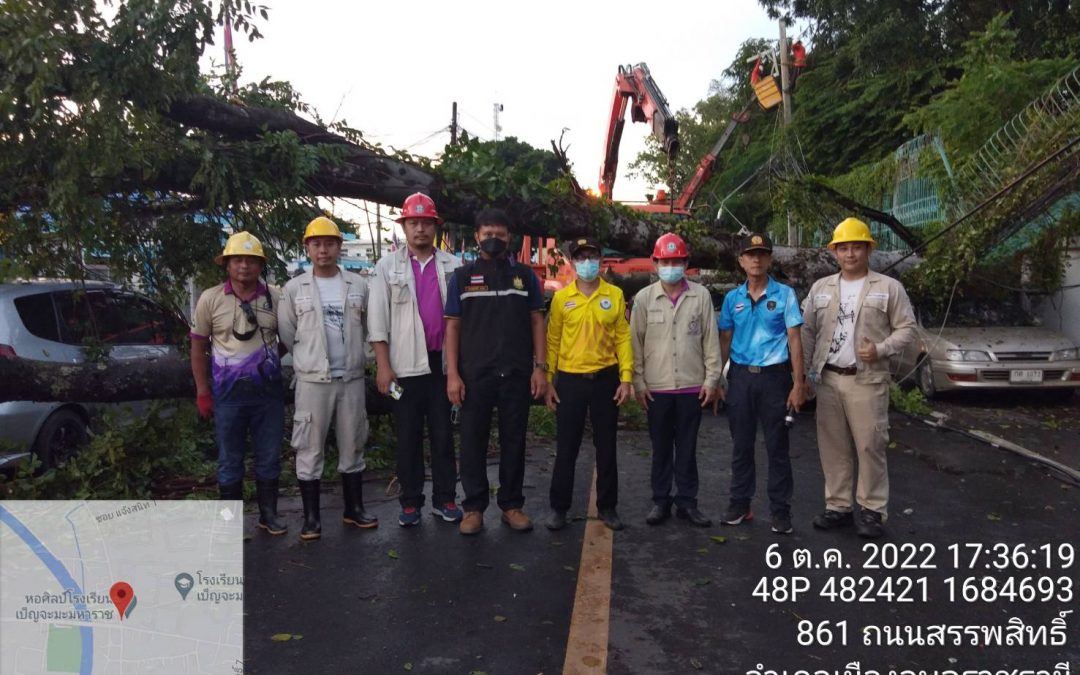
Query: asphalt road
x,y
429,600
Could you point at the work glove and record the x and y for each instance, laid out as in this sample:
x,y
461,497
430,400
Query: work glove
x,y
205,404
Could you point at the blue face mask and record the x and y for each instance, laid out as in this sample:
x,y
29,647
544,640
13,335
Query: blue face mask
x,y
671,275
587,270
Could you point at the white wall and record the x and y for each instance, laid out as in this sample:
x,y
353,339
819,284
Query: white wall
x,y
1061,311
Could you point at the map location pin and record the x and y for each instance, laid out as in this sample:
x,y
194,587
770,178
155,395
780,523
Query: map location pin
x,y
184,582
122,596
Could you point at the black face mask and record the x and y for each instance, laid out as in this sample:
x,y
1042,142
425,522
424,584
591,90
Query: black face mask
x,y
493,247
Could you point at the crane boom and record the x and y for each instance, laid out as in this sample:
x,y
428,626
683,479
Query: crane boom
x,y
635,85
707,164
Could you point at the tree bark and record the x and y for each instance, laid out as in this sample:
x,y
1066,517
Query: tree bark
x,y
112,382
120,382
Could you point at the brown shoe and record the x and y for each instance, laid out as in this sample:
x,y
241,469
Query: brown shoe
x,y
517,520
472,523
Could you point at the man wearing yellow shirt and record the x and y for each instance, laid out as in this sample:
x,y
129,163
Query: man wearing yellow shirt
x,y
590,362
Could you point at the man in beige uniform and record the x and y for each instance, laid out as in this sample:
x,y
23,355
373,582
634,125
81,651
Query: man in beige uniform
x,y
852,323
320,320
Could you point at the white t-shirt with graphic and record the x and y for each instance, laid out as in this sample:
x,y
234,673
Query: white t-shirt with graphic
x,y
842,348
332,296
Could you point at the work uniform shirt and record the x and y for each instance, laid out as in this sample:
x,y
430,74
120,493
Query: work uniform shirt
x,y
494,300
587,333
760,326
675,344
253,361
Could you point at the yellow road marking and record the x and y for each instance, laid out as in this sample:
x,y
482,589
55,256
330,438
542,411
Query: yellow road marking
x,y
587,645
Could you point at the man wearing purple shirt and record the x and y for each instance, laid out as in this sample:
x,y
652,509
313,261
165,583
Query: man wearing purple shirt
x,y
406,329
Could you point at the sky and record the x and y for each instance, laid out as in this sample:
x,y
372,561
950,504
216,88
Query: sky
x,y
393,69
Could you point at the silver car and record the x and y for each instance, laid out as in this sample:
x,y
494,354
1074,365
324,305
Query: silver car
x,y
986,345
51,321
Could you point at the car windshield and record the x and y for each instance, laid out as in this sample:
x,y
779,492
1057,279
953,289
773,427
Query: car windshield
x,y
977,313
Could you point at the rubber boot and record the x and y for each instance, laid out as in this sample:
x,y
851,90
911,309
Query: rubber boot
x,y
352,488
266,493
231,490
309,493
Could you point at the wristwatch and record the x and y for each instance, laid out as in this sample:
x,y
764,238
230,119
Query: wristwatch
x,y
540,365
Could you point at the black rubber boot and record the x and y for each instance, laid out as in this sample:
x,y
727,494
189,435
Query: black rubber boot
x,y
231,490
266,493
309,493
352,488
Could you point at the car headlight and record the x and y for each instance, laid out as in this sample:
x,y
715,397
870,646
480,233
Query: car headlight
x,y
966,355
1070,354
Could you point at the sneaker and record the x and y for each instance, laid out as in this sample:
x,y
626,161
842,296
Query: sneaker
x,y
556,521
832,519
410,515
737,514
472,523
611,519
781,523
517,520
696,517
869,525
448,512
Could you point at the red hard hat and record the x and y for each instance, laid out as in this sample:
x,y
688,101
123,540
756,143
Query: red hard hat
x,y
419,205
670,245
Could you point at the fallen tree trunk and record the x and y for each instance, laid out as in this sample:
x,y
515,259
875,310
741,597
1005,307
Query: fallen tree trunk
x,y
112,382
366,174
120,382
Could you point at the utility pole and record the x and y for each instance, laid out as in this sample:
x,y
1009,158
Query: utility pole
x,y
453,124
498,108
378,231
785,73
785,108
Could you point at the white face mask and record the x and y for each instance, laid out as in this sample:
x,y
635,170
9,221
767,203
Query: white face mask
x,y
671,275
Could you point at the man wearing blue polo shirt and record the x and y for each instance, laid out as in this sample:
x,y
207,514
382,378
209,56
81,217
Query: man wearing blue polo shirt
x,y
759,328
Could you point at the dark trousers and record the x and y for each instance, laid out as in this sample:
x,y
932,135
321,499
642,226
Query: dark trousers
x,y
510,394
255,412
674,420
594,394
424,398
754,398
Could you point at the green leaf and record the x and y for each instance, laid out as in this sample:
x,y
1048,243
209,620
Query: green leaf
x,y
717,539
392,554
517,567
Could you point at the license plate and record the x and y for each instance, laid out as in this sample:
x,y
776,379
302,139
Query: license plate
x,y
1025,376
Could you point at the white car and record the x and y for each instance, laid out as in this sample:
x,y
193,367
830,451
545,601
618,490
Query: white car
x,y
50,321
986,345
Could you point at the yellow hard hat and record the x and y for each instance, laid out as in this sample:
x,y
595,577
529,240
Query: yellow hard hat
x,y
851,229
241,243
322,227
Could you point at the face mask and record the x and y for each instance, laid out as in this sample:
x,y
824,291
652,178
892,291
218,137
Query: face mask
x,y
493,247
671,275
587,270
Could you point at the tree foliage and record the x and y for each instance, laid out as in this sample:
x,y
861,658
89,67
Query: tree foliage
x,y
880,72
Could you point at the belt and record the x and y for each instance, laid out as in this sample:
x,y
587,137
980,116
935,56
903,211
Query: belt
x,y
841,371
785,366
593,375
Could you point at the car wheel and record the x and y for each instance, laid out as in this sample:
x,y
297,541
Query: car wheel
x,y
60,438
925,376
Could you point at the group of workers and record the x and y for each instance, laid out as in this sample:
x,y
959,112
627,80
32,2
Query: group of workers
x,y
473,337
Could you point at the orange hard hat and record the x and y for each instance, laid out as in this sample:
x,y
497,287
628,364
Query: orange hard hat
x,y
419,205
670,245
